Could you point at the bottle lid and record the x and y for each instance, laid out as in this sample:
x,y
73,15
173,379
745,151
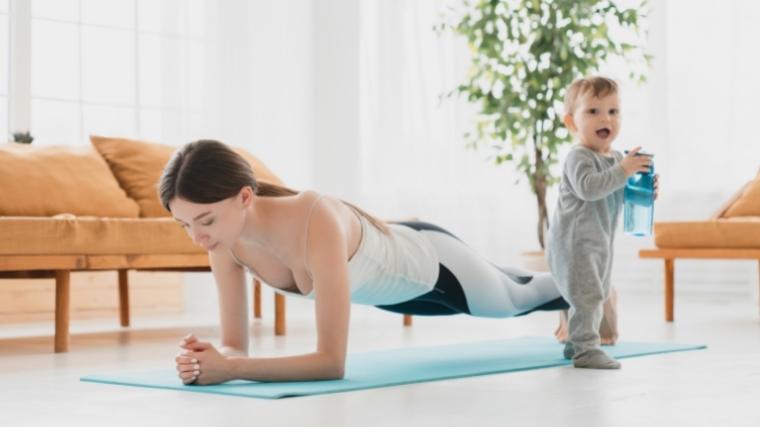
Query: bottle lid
x,y
641,153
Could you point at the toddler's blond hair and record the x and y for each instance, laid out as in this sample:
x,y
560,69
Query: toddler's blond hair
x,y
598,86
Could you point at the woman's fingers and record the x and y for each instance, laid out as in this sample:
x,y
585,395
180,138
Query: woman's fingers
x,y
181,359
198,346
189,338
188,368
188,377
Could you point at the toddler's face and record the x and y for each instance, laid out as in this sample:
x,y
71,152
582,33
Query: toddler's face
x,y
596,121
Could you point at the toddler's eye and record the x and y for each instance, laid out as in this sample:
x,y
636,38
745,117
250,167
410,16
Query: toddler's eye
x,y
592,110
614,111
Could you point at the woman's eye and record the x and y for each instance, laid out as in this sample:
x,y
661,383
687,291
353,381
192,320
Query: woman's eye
x,y
206,224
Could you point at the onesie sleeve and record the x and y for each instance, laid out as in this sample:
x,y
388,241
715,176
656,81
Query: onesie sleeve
x,y
588,183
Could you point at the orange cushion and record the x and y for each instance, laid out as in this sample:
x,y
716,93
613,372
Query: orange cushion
x,y
85,235
45,181
740,232
138,166
748,203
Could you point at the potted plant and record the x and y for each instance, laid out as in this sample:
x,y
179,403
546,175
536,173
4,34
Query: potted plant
x,y
524,53
23,137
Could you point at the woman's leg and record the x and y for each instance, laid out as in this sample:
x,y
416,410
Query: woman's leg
x,y
488,290
446,298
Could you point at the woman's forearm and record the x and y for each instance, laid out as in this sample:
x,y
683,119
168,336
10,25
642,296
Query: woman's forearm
x,y
232,351
306,367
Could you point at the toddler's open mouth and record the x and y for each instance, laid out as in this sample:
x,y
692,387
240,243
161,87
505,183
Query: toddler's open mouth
x,y
603,133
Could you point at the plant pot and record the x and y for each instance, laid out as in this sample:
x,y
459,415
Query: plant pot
x,y
534,261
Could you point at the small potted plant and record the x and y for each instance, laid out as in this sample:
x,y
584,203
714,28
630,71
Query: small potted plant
x,y
23,137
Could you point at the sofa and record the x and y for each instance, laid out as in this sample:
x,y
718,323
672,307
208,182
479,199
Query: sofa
x,y
733,232
84,208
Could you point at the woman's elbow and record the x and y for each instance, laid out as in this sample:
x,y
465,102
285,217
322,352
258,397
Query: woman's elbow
x,y
335,369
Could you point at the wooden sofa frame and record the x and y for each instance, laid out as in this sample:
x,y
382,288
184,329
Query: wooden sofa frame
x,y
60,267
669,255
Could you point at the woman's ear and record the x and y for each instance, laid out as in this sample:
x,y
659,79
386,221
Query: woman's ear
x,y
246,195
569,122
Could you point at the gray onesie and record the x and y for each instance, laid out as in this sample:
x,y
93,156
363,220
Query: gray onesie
x,y
580,240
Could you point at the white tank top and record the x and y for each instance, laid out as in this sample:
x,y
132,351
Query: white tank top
x,y
387,269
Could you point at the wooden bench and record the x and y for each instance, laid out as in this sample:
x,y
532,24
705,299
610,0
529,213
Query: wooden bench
x,y
670,255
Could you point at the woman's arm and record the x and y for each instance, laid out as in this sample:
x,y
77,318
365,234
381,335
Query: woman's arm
x,y
327,262
233,311
233,308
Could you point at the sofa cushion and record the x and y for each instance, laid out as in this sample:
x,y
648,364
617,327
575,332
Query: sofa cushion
x,y
49,180
748,203
138,165
86,235
739,232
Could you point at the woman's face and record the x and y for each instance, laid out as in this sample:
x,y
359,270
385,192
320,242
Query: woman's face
x,y
211,225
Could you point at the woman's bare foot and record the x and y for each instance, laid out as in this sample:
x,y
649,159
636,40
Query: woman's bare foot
x,y
607,330
561,332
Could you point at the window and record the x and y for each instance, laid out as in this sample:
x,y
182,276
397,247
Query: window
x,y
131,68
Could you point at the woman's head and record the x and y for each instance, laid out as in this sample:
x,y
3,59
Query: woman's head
x,y
206,186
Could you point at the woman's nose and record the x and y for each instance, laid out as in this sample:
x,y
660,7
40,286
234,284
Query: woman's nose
x,y
198,237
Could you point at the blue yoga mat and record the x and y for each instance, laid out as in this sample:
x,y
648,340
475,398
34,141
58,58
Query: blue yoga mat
x,y
401,366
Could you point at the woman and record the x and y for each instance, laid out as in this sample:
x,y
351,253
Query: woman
x,y
322,248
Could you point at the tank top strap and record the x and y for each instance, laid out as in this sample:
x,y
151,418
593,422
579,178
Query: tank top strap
x,y
306,235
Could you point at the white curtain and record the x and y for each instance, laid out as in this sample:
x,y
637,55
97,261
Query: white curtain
x,y
414,160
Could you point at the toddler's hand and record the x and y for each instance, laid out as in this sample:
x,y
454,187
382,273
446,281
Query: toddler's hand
x,y
656,185
632,163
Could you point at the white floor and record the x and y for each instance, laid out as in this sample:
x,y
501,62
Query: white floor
x,y
719,386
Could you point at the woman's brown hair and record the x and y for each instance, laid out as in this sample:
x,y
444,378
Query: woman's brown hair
x,y
208,171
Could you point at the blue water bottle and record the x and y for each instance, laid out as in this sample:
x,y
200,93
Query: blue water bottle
x,y
638,211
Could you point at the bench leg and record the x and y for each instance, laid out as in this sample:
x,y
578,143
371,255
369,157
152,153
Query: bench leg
x,y
256,299
124,297
669,288
407,320
279,314
62,304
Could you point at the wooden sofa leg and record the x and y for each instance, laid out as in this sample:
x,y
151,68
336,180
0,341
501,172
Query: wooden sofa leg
x,y
256,299
669,288
279,314
407,320
124,297
62,304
